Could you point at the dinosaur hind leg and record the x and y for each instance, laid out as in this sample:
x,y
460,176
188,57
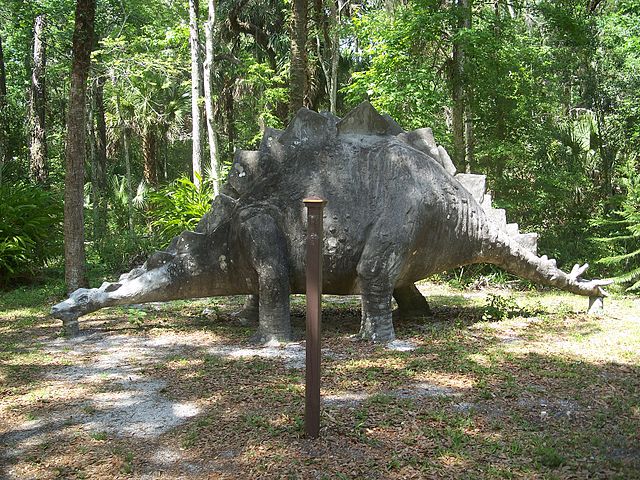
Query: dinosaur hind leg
x,y
411,303
250,309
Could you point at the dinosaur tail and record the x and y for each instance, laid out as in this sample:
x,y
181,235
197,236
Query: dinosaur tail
x,y
515,258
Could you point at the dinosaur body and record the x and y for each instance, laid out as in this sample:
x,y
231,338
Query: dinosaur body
x,y
395,214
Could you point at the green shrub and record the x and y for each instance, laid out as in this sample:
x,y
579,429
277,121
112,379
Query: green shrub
x,y
499,308
625,231
30,230
120,253
177,207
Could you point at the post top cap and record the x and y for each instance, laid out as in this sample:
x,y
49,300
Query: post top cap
x,y
314,199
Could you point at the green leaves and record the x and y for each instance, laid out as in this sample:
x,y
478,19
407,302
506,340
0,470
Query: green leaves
x,y
30,225
625,230
177,207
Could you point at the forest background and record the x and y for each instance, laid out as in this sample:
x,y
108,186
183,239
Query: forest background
x,y
542,96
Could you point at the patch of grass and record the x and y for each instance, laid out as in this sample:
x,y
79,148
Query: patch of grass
x,y
127,463
548,456
99,436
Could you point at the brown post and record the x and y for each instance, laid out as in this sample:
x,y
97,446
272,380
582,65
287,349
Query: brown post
x,y
314,298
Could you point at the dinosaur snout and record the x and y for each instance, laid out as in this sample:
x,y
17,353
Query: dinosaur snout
x,y
72,307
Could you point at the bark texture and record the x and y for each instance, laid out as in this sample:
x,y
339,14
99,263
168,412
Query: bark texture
x,y
457,112
335,54
74,252
3,104
99,171
3,76
298,70
196,92
149,156
462,119
469,136
37,102
209,27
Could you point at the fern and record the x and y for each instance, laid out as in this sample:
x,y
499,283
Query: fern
x,y
177,207
626,224
30,230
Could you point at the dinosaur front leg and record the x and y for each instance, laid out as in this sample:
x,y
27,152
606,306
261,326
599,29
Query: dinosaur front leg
x,y
268,256
376,323
377,270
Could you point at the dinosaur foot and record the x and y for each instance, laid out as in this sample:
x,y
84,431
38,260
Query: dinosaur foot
x,y
270,339
596,305
377,333
71,328
412,315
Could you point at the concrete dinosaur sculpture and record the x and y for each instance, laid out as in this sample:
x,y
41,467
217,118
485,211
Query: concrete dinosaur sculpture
x,y
396,213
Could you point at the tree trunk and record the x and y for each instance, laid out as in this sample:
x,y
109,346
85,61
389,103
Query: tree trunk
x,y
3,77
196,92
230,117
3,115
38,145
208,98
457,112
150,163
127,161
469,136
99,160
458,88
128,179
164,146
298,69
74,253
335,55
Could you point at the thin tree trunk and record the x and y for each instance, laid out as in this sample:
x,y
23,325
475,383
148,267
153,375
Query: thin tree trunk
x,y
196,92
93,156
458,90
127,169
323,24
208,98
469,136
74,253
323,64
3,114
3,76
98,159
127,163
150,163
165,154
101,155
335,54
38,145
468,98
457,112
230,117
298,69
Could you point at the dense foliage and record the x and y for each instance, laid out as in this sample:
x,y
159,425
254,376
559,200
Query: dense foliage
x,y
550,98
177,207
30,228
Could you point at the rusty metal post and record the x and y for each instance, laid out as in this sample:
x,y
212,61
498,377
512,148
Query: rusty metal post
x,y
314,206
